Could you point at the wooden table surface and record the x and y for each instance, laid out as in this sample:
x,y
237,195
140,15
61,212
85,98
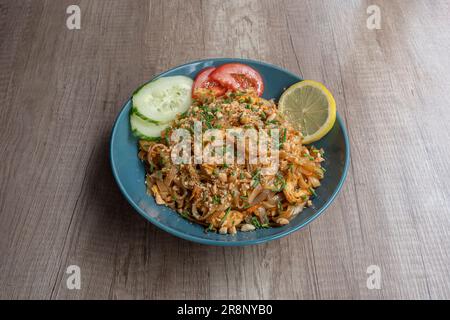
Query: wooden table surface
x,y
61,90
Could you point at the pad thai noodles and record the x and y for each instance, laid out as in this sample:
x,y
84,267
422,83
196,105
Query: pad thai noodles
x,y
237,196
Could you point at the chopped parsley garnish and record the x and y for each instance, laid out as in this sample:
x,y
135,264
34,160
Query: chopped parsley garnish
x,y
308,156
263,115
207,116
279,183
184,214
208,124
184,114
216,199
280,206
283,139
247,205
227,212
166,136
256,222
256,178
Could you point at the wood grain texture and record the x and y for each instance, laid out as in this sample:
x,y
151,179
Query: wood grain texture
x,y
61,91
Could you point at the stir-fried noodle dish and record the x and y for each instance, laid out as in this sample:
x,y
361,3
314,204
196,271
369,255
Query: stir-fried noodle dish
x,y
230,196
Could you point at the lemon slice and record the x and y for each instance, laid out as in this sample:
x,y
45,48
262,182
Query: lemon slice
x,y
310,108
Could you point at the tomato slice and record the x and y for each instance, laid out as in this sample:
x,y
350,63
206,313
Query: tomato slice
x,y
238,76
203,81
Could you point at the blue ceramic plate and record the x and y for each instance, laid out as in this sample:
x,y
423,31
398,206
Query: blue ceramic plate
x,y
130,174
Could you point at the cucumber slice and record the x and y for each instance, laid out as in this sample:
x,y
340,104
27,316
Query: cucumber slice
x,y
144,129
161,100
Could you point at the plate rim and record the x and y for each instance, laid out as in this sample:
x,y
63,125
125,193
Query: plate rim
x,y
196,239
